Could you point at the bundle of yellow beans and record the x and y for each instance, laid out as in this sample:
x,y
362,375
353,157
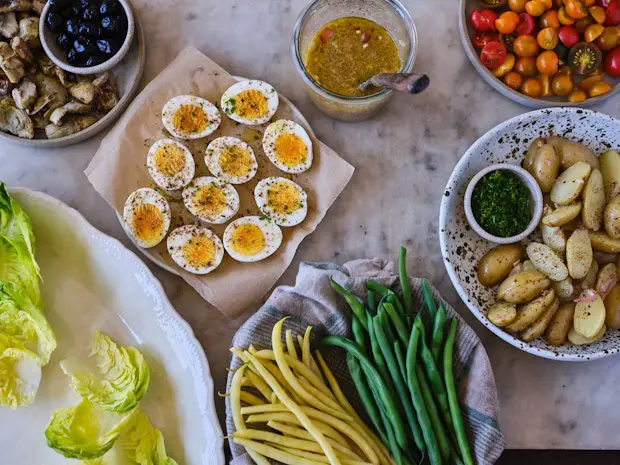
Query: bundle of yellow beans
x,y
286,408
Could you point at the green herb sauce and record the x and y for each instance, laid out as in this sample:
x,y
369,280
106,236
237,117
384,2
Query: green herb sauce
x,y
501,204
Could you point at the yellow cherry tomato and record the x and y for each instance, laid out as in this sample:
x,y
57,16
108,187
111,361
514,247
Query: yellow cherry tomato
x,y
518,6
525,46
593,32
531,88
513,80
597,13
561,85
526,67
535,7
550,19
588,83
599,88
547,38
506,66
548,3
545,82
576,9
577,96
564,18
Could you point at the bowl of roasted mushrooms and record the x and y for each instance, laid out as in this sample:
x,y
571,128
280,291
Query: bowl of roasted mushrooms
x,y
42,104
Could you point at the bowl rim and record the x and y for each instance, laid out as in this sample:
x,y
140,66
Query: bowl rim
x,y
506,91
110,63
443,221
531,185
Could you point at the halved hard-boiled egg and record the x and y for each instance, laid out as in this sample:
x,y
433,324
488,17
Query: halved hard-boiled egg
x,y
170,164
251,238
211,200
288,146
147,216
281,200
231,160
195,249
250,102
190,117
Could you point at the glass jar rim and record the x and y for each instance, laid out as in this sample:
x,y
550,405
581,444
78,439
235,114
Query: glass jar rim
x,y
406,68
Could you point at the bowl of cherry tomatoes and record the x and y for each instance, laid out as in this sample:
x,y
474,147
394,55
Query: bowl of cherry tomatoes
x,y
543,53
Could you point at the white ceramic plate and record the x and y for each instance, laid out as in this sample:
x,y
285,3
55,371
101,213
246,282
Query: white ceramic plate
x,y
91,281
461,247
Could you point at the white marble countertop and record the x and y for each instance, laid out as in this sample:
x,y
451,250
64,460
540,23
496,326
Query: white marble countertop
x,y
403,158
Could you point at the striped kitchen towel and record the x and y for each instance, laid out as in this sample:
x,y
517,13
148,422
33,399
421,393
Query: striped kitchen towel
x,y
313,302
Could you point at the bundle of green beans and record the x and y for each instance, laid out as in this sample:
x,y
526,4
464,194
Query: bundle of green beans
x,y
401,363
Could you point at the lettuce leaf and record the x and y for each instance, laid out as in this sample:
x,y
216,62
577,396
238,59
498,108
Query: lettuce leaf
x,y
20,373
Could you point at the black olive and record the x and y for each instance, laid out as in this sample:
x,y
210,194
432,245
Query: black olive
x,y
73,12
82,4
57,5
71,26
85,47
109,7
107,47
74,58
584,58
54,21
111,25
91,14
94,60
88,29
64,40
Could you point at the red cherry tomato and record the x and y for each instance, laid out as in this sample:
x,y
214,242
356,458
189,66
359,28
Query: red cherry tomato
x,y
568,36
480,39
612,15
526,24
612,62
483,20
493,55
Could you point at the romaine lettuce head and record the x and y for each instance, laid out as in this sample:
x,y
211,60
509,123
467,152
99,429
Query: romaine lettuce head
x,y
20,373
85,431
15,225
118,380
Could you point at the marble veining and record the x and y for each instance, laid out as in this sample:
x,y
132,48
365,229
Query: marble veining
x,y
403,157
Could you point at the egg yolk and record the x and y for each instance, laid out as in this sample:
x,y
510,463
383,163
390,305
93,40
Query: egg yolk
x,y
251,104
235,160
290,150
209,201
147,222
283,198
169,159
190,119
199,252
248,239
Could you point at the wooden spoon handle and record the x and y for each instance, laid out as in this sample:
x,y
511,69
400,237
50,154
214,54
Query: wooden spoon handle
x,y
413,83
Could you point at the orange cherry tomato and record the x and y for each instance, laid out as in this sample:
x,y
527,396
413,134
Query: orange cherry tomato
x,y
562,85
548,3
593,32
609,38
507,22
597,13
518,6
507,65
550,19
565,71
545,82
589,3
576,9
513,80
564,18
548,38
532,88
526,67
525,46
535,7
599,88
547,63
577,96
588,83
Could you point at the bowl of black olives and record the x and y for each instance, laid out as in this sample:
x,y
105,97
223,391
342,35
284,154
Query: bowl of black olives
x,y
86,36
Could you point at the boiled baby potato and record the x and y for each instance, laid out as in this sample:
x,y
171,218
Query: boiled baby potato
x,y
575,338
496,264
538,327
612,218
579,253
610,168
528,266
562,215
530,312
547,261
546,166
564,290
554,237
593,201
612,308
589,313
602,242
606,280
589,280
560,324
532,152
523,287
570,183
572,152
502,313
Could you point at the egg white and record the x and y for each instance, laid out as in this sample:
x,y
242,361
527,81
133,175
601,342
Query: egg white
x,y
271,232
180,236
290,218
230,193
146,196
228,101
171,107
279,128
216,149
177,180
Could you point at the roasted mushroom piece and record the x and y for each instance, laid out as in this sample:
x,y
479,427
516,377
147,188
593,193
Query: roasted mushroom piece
x,y
8,25
29,31
5,85
38,5
72,125
15,121
10,64
22,50
72,107
46,65
105,93
25,94
83,91
15,5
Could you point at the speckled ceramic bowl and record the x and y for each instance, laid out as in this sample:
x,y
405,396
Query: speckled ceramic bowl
x,y
462,248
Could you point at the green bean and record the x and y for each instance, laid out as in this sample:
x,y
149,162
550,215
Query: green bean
x,y
455,409
376,287
368,402
377,356
356,307
438,330
400,358
359,334
405,285
430,301
371,301
374,378
396,320
435,455
392,297
389,332
393,445
401,389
